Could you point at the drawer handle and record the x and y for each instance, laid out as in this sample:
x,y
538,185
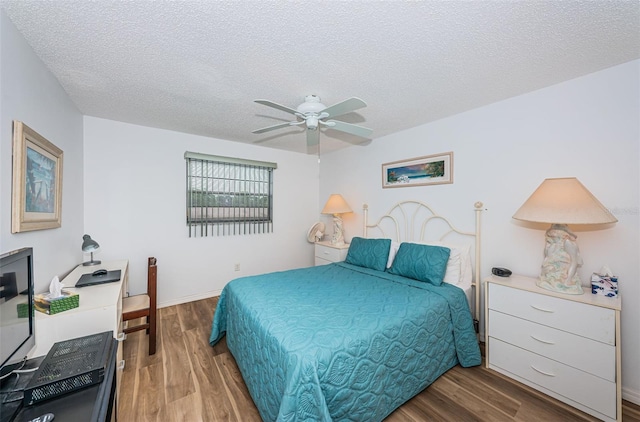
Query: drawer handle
x,y
542,372
121,337
121,365
541,341
542,309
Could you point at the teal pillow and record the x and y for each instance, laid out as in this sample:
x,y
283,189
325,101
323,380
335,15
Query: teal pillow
x,y
421,262
369,253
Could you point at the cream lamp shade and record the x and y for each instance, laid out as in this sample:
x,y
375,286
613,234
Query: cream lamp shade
x,y
336,205
563,201
560,202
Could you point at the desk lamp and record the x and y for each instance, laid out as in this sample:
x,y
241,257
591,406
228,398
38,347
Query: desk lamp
x,y
336,205
90,245
560,202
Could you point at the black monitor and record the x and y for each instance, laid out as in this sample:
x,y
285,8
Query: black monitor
x,y
17,323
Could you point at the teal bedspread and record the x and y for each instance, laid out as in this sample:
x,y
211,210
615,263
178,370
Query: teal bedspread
x,y
341,342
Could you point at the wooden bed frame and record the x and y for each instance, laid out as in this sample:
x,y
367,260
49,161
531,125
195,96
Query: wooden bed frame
x,y
407,221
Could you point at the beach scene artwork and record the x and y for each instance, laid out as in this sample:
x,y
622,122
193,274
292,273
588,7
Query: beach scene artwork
x,y
428,170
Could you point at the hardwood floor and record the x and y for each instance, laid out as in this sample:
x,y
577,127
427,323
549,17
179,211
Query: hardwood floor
x,y
188,380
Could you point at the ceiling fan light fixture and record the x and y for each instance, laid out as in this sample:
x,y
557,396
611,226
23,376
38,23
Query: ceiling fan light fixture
x,y
311,107
312,122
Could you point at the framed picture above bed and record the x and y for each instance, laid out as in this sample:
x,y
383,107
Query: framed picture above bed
x,y
37,181
420,171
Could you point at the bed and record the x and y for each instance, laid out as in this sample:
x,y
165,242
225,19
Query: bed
x,y
355,340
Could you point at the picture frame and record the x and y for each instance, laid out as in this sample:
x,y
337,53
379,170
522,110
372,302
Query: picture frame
x,y
36,201
434,169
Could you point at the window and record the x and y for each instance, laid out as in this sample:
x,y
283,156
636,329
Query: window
x,y
228,196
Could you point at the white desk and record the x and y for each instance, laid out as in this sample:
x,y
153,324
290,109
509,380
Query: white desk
x,y
100,310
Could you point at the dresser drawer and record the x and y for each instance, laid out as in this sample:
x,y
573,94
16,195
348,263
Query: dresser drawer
x,y
330,254
578,318
593,392
320,261
594,357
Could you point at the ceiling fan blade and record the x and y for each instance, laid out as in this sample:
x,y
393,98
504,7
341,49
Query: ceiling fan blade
x,y
277,106
274,127
313,137
344,107
361,131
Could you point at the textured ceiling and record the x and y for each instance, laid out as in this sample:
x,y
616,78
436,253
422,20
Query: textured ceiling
x,y
196,66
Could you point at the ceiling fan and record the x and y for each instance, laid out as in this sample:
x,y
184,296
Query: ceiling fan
x,y
313,114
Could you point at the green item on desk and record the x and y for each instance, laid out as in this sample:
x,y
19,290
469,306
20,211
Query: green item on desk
x,y
47,305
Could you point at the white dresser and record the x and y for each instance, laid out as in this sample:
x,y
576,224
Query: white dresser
x,y
566,346
100,310
326,253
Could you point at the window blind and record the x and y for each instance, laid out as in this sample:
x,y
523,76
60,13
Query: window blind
x,y
228,196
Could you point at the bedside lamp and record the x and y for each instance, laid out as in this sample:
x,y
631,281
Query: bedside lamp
x,y
560,202
90,245
336,205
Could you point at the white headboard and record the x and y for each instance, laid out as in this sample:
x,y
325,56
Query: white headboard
x,y
415,221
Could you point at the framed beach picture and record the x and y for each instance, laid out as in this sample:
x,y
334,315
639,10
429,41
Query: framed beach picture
x,y
428,170
36,201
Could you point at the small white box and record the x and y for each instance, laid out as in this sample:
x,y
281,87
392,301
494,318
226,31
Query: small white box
x,y
604,285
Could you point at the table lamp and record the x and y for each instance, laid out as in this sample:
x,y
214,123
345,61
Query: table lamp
x,y
336,205
89,245
560,202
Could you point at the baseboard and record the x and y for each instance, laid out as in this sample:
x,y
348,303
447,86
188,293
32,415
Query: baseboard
x,y
185,299
631,395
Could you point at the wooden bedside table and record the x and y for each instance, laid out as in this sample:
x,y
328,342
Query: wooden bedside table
x,y
566,346
326,253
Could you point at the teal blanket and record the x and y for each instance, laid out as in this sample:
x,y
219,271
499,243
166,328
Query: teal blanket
x,y
341,342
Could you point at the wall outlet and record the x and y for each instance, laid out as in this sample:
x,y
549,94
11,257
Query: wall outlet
x,y
236,267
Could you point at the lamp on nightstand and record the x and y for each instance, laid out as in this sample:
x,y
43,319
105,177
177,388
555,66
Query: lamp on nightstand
x,y
336,205
560,202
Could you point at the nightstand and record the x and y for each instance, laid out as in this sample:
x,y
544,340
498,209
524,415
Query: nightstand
x,y
566,346
326,253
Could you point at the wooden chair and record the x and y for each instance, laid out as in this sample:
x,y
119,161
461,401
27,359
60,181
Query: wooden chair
x,y
143,306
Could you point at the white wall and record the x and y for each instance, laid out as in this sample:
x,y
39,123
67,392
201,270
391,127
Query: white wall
x,y
32,95
587,128
135,208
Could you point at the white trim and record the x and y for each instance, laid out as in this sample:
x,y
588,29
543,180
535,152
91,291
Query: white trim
x,y
631,395
192,298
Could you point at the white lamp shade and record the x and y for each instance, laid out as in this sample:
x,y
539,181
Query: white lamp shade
x,y
336,205
563,201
